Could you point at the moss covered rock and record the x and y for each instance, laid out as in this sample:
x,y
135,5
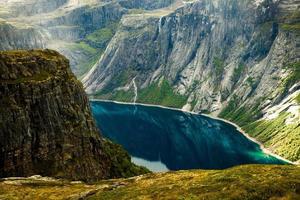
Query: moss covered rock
x,y
46,126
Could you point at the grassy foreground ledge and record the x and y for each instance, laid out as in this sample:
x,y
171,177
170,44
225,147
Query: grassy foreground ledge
x,y
242,182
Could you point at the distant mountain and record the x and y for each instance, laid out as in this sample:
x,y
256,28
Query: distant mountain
x,y
79,29
46,126
239,60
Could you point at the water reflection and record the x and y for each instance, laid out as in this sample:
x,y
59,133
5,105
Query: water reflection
x,y
175,139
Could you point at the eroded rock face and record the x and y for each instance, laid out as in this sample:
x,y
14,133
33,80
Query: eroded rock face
x,y
46,125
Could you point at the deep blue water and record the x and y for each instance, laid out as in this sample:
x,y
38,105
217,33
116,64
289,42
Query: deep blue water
x,y
165,139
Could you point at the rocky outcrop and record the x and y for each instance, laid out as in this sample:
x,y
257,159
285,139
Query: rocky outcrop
x,y
46,125
235,59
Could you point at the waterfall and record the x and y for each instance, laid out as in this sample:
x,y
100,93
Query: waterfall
x,y
135,90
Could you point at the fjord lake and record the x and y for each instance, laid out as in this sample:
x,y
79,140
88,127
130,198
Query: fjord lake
x,y
164,139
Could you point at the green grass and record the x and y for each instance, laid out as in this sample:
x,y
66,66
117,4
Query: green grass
x,y
294,77
93,46
219,67
248,182
120,80
298,98
103,35
241,116
82,46
291,79
244,182
123,96
87,64
121,165
238,71
92,55
282,138
161,94
291,27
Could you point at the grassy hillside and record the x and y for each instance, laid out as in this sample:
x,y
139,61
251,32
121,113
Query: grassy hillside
x,y
277,134
159,93
243,182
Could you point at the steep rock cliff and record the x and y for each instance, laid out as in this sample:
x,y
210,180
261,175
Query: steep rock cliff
x,y
68,25
18,36
46,125
16,8
235,59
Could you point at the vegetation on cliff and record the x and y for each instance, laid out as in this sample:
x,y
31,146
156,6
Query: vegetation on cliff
x,y
46,126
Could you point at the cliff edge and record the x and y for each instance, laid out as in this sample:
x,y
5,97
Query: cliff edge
x,y
46,126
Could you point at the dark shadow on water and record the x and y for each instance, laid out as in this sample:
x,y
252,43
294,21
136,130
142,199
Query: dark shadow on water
x,y
179,140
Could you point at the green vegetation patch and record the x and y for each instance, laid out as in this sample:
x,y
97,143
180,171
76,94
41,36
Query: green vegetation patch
x,y
291,27
283,138
123,96
157,93
238,71
102,36
93,46
253,182
161,94
82,46
292,78
92,56
240,115
298,98
121,165
219,67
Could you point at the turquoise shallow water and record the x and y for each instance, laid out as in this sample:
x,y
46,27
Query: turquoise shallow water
x,y
164,139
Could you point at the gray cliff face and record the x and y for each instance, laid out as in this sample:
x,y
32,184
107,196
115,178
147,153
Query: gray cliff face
x,y
201,45
65,25
235,59
174,42
20,37
14,8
